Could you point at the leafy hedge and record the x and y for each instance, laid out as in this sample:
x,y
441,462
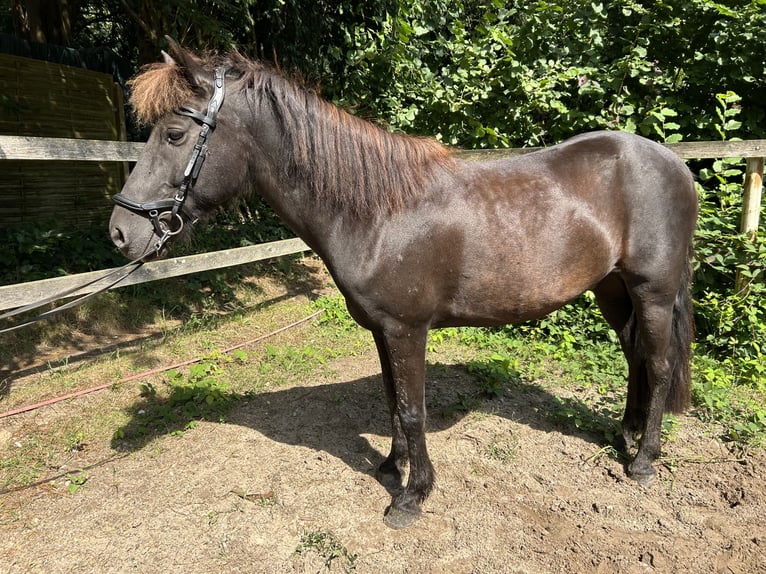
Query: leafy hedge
x,y
488,74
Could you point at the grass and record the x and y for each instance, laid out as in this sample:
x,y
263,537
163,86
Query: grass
x,y
502,448
171,401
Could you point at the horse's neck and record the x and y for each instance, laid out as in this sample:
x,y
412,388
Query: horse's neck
x,y
292,199
288,189
341,173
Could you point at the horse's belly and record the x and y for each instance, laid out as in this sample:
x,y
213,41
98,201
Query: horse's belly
x,y
489,311
498,298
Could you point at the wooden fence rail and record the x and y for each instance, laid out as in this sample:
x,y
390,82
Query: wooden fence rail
x,y
34,148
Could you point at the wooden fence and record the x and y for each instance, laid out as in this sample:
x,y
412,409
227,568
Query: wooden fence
x,y
32,148
40,98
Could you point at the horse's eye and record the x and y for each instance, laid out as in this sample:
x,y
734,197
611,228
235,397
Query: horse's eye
x,y
175,136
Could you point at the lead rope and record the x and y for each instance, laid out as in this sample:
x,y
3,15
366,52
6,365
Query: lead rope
x,y
135,264
123,272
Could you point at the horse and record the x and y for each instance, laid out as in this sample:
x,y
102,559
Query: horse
x,y
416,238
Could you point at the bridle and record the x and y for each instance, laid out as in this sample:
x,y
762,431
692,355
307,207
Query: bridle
x,y
164,213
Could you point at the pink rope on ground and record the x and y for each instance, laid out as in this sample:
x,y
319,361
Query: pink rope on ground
x,y
150,372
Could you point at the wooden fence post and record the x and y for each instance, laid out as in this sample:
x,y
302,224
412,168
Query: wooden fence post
x,y
751,209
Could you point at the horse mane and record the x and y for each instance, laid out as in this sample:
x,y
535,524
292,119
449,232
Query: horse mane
x,y
344,160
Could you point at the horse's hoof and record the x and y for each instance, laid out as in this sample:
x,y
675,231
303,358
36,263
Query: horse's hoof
x,y
397,518
645,480
643,477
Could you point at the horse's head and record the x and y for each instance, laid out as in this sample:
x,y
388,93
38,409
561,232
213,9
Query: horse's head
x,y
194,121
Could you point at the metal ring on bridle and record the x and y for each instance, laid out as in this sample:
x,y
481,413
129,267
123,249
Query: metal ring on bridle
x,y
167,228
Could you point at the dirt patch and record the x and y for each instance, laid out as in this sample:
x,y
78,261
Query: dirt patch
x,y
286,484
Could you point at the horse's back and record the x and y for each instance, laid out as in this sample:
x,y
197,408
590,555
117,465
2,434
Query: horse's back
x,y
631,191
512,240
540,229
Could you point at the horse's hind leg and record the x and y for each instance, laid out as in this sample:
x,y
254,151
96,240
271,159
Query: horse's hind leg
x,y
390,472
654,310
617,307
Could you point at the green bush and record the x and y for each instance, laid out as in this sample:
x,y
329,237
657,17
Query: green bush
x,y
40,251
497,74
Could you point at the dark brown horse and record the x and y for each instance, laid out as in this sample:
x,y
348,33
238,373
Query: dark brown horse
x,y
417,239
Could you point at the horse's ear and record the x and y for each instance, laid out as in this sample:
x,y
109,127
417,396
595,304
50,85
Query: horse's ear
x,y
168,59
192,67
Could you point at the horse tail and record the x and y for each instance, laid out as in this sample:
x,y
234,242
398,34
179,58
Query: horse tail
x,y
680,354
679,351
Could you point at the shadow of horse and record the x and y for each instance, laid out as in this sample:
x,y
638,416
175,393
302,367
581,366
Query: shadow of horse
x,y
337,418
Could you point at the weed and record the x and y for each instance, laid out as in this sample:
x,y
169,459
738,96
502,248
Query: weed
x,y
335,312
594,419
328,547
495,374
75,442
739,408
669,428
439,336
503,448
200,394
239,355
608,451
294,361
464,404
147,390
75,481
24,462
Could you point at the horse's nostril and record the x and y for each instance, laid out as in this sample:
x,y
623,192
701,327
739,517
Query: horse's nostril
x,y
117,237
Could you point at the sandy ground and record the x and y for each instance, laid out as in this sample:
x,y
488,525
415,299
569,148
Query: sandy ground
x,y
286,485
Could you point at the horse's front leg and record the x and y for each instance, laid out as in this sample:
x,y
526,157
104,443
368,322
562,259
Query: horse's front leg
x,y
390,472
406,350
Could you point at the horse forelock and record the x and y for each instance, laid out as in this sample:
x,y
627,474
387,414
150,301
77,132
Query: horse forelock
x,y
158,90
